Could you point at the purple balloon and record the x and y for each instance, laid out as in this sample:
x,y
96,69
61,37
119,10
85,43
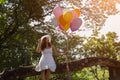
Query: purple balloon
x,y
75,24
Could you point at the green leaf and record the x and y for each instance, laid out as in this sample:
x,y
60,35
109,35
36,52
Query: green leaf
x,y
2,1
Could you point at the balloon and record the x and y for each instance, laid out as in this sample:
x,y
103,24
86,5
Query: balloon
x,y
60,27
67,16
75,24
77,11
68,19
62,21
75,15
66,27
57,11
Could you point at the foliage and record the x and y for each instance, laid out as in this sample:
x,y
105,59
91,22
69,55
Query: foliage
x,y
105,47
17,37
2,1
95,12
90,74
32,78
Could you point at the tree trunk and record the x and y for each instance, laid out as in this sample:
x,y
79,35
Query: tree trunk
x,y
114,73
26,71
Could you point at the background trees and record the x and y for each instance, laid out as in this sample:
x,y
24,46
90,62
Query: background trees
x,y
17,36
22,22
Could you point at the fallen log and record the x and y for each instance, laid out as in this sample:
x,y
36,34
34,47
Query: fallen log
x,y
26,71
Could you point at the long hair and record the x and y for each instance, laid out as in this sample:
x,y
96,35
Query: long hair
x,y
42,45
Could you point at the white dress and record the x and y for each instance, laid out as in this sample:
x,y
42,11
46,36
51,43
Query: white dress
x,y
46,61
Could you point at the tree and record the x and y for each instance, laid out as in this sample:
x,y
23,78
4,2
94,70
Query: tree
x,y
17,37
105,47
95,12
26,71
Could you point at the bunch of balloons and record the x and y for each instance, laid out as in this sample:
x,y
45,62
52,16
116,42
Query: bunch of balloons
x,y
68,19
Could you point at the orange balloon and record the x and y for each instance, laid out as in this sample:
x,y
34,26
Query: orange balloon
x,y
68,16
66,26
62,21
77,11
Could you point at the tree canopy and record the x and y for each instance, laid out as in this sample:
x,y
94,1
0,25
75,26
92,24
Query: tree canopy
x,y
17,37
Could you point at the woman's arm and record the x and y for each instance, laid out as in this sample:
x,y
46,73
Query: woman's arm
x,y
38,49
56,53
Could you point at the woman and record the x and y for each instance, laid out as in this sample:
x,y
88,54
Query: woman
x,y
46,64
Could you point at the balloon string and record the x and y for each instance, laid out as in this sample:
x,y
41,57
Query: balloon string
x,y
67,64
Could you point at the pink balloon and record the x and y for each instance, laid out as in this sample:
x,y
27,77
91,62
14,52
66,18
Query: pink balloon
x,y
57,11
74,14
75,24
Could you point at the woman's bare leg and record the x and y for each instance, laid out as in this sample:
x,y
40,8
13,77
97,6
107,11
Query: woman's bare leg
x,y
42,75
48,72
